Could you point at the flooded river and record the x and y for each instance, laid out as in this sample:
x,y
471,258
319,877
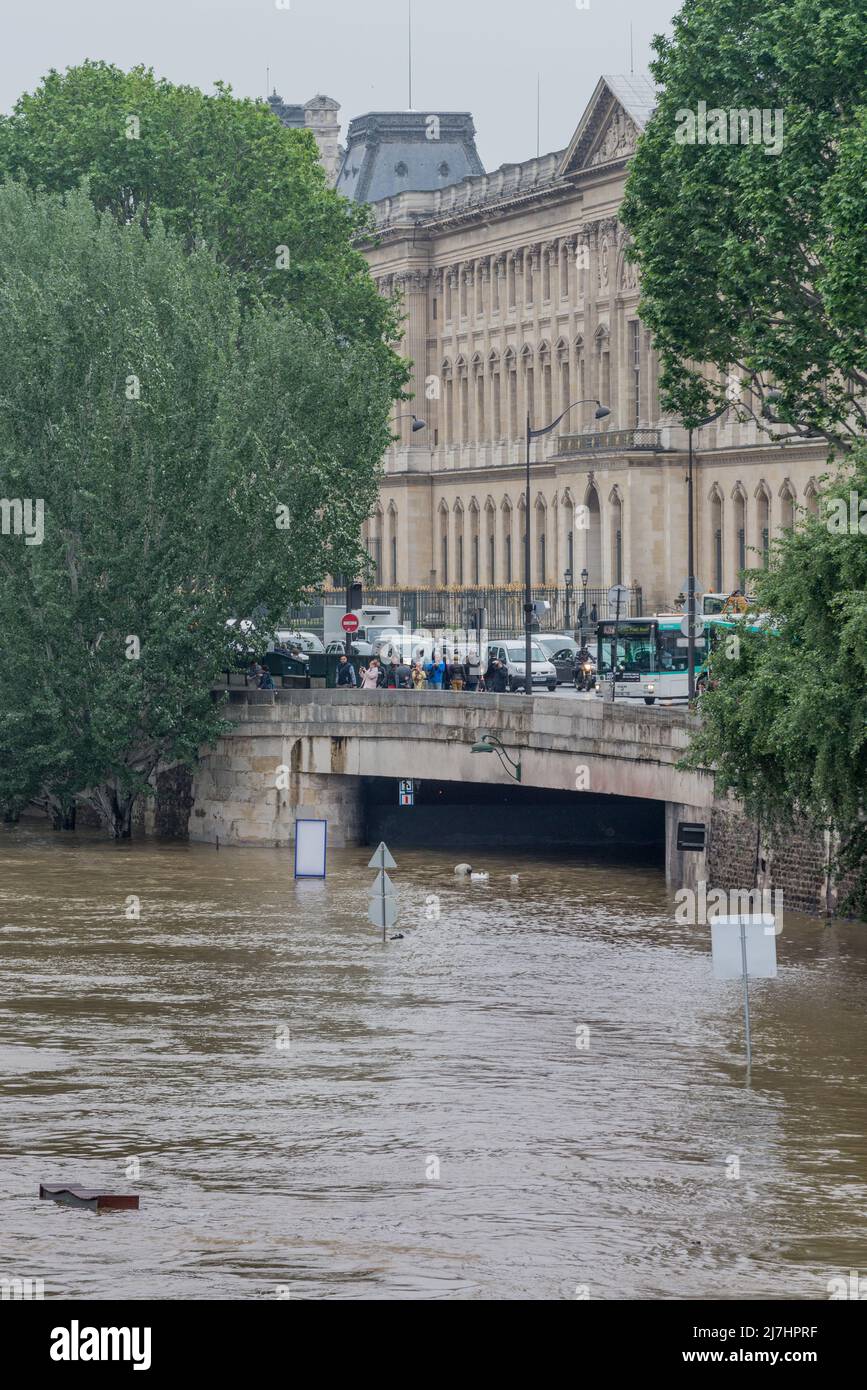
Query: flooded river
x,y
310,1114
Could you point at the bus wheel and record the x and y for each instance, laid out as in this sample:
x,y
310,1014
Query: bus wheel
x,y
650,699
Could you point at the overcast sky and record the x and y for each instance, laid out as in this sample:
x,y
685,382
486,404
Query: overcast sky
x,y
481,56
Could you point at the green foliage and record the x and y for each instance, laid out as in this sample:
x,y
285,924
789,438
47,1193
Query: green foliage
x,y
786,725
219,170
754,261
163,423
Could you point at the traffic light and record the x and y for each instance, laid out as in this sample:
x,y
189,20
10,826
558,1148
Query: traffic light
x,y
354,597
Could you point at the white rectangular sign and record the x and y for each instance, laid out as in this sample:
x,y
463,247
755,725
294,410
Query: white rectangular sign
x,y
761,947
310,841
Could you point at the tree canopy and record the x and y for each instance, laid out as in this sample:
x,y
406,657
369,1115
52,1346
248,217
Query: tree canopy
x,y
219,170
753,261
785,721
171,431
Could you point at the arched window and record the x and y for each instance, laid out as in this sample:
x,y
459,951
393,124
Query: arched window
x,y
490,539
459,542
811,498
507,541
547,402
392,542
474,542
541,524
616,504
787,507
496,398
444,543
374,547
716,538
463,423
603,365
739,501
511,369
569,529
763,523
521,564
528,374
565,387
580,381
448,401
593,536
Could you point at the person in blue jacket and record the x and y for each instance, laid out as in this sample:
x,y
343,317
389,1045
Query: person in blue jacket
x,y
435,670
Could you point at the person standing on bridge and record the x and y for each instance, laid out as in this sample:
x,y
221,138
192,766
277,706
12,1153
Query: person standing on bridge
x,y
435,670
474,671
346,677
370,675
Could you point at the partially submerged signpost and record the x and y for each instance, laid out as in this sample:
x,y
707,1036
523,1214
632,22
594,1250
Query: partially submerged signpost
x,y
743,946
383,900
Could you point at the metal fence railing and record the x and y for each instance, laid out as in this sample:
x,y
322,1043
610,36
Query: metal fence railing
x,y
456,608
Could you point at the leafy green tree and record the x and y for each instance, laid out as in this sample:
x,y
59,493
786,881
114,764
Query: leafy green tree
x,y
217,169
194,459
785,719
753,261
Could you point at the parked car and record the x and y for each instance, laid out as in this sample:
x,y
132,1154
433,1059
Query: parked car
x,y
512,653
560,651
307,642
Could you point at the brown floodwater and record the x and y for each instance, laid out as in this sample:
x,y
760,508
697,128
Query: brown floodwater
x,y
282,1089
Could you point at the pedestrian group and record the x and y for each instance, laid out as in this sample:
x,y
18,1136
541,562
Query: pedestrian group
x,y
437,673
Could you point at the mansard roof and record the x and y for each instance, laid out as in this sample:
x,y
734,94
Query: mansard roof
x,y
616,114
390,152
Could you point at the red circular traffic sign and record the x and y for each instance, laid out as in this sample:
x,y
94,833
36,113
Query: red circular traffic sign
x,y
350,623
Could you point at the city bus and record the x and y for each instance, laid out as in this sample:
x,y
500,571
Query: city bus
x,y
647,658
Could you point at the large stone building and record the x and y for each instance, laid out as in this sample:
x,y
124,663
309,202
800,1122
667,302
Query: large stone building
x,y
519,297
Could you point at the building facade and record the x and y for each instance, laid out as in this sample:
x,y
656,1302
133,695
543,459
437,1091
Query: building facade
x,y
519,298
320,116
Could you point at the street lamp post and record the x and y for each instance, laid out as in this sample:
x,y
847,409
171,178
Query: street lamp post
x,y
492,743
690,545
601,412
585,579
417,424
569,587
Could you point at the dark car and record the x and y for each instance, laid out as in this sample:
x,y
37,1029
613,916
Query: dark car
x,y
561,652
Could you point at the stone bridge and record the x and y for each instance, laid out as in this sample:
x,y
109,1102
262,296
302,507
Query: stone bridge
x,y
304,752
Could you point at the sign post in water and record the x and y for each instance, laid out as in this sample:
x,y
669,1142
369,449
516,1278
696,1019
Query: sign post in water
x,y
383,899
743,946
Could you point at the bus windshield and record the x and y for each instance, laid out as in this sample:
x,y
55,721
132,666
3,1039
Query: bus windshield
x,y
635,645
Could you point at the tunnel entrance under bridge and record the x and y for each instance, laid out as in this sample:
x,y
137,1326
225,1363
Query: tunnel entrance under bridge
x,y
463,816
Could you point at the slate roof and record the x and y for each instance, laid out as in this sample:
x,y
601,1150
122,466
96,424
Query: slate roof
x,y
390,152
292,116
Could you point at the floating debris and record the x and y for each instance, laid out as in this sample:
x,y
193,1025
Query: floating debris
x,y
90,1197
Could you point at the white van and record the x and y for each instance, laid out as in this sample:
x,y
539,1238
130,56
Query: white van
x,y
512,653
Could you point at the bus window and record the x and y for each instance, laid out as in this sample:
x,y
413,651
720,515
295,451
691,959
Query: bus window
x,y
674,654
635,644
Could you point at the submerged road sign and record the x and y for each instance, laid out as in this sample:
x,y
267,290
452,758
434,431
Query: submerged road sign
x,y
743,946
383,901
382,858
